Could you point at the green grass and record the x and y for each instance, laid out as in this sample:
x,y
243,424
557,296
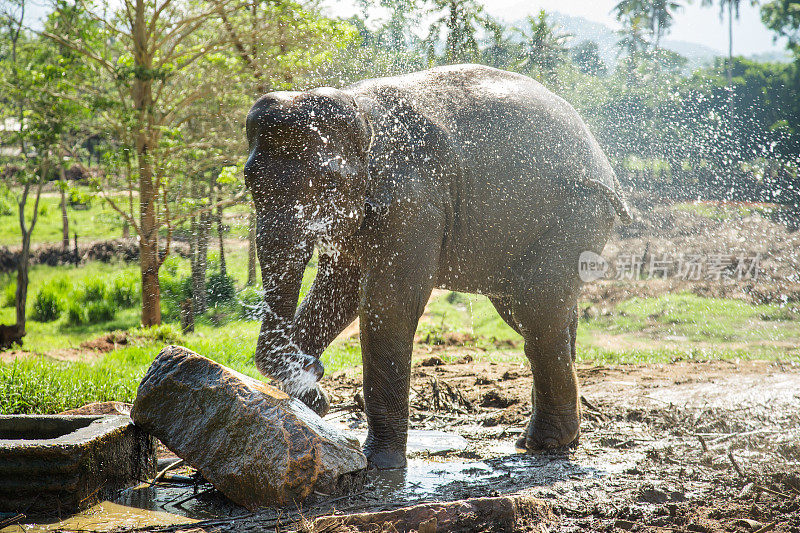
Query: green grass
x,y
468,313
702,319
98,222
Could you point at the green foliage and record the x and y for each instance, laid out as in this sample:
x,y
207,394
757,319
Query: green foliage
x,y
220,288
175,288
783,17
100,311
460,21
587,58
544,47
250,302
47,305
8,205
93,290
10,294
167,333
125,291
95,302
76,313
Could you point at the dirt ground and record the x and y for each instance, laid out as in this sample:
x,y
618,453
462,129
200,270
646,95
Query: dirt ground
x,y
683,447
689,447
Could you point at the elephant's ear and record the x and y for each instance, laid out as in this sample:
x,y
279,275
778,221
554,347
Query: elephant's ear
x,y
367,115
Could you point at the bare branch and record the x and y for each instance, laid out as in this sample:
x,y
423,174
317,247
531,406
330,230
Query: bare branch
x,y
81,50
222,203
131,220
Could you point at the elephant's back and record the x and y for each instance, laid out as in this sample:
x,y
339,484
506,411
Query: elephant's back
x,y
499,123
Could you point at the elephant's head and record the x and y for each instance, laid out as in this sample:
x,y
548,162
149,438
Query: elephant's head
x,y
307,171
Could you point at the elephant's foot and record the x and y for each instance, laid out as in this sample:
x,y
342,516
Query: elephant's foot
x,y
317,399
551,430
382,456
385,459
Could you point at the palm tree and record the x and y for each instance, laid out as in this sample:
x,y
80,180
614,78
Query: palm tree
x,y
661,18
544,46
461,21
732,7
656,15
499,50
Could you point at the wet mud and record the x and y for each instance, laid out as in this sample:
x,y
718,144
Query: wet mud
x,y
688,446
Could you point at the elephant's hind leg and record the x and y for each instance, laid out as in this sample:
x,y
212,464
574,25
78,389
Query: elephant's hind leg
x,y
549,346
544,310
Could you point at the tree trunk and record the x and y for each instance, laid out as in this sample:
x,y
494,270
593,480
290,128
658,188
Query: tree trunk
x,y
223,269
146,134
730,44
148,250
251,250
21,297
22,280
730,59
64,218
200,266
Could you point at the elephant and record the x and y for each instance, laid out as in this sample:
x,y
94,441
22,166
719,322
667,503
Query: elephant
x,y
461,177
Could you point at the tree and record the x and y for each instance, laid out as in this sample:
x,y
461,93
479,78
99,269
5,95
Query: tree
x,y
783,17
500,51
543,46
587,58
33,98
460,20
732,9
660,15
168,69
632,42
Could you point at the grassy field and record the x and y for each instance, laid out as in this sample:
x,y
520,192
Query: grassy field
x,y
97,221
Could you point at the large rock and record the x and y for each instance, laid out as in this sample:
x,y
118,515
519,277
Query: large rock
x,y
250,440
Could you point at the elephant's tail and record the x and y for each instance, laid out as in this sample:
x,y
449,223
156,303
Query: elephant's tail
x,y
614,196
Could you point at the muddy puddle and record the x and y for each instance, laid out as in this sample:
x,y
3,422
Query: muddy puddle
x,y
690,446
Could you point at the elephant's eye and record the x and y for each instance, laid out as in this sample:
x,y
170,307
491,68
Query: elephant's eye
x,y
333,165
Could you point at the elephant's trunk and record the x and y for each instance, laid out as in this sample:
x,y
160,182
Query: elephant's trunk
x,y
283,255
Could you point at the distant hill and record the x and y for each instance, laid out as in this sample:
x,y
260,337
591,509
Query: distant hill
x,y
582,29
698,55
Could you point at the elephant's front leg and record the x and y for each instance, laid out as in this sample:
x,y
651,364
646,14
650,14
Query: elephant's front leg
x,y
393,300
331,305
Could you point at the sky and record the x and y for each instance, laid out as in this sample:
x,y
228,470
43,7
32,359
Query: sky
x,y
694,23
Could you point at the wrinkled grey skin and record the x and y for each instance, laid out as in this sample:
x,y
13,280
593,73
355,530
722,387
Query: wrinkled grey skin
x,y
461,177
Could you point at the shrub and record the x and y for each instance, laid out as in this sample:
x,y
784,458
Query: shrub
x,y
161,333
125,291
94,290
48,305
101,311
61,284
8,205
251,302
220,288
173,291
10,295
76,313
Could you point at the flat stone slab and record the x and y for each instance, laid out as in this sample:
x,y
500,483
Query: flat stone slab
x,y
51,464
504,513
253,442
